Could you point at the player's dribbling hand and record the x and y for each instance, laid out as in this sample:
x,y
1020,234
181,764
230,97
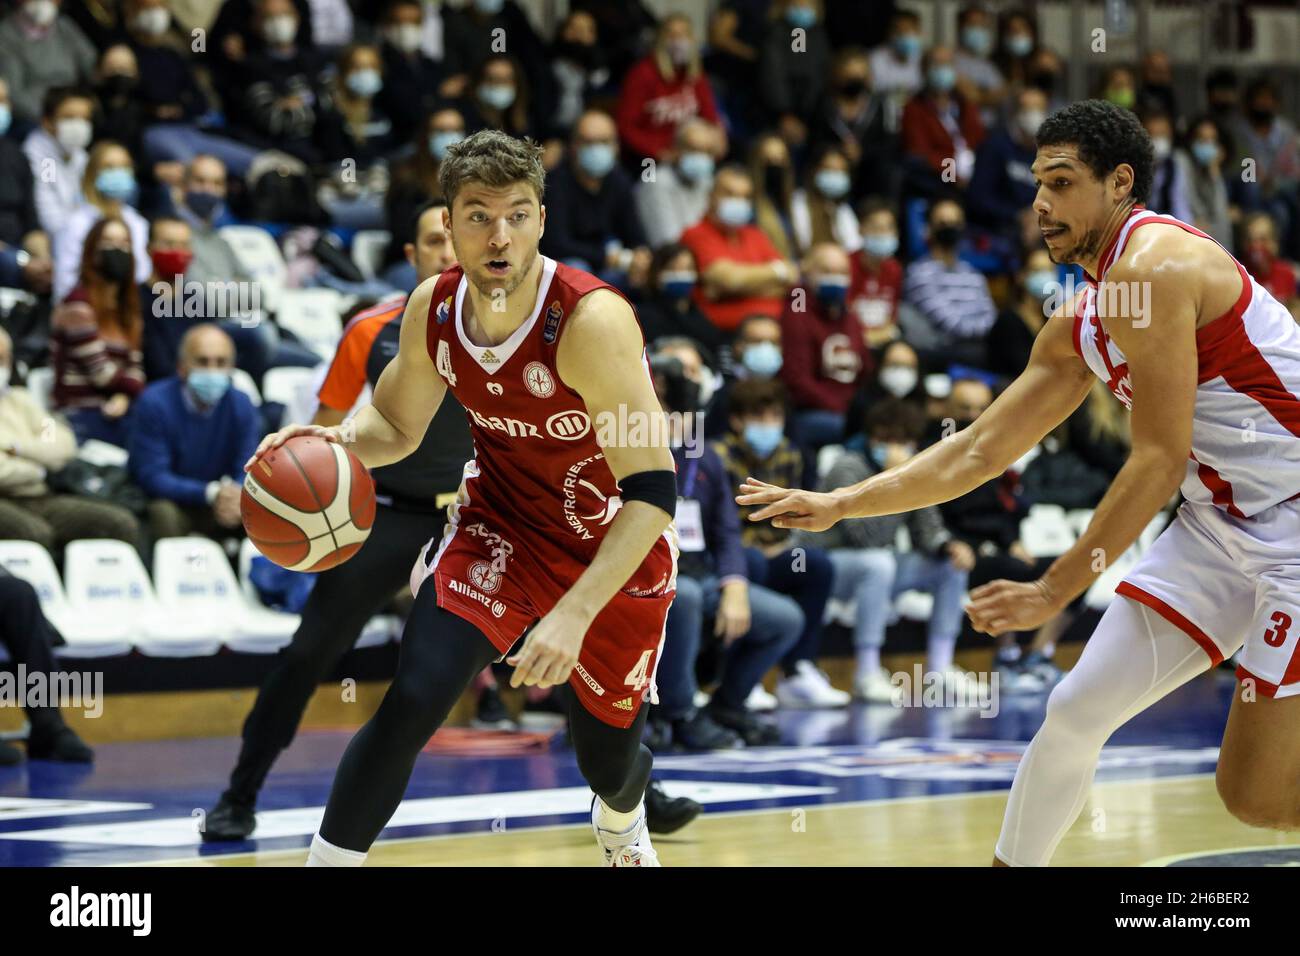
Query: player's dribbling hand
x,y
276,439
789,507
1001,606
550,651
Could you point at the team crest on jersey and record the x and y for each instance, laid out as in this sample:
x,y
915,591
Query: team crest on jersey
x,y
443,311
538,379
552,327
483,577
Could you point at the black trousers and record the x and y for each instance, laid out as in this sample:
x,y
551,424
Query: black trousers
x,y
341,603
440,655
28,636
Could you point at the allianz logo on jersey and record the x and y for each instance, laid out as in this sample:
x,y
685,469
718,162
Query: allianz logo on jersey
x,y
497,608
568,425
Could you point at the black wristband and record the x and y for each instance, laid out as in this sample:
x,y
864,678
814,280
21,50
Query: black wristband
x,y
658,488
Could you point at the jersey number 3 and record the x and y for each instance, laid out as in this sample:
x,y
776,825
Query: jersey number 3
x,y
1276,636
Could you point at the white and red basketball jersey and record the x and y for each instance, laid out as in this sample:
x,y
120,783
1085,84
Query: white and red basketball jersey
x,y
1246,423
537,464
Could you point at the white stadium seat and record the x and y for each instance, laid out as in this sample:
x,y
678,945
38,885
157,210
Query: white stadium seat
x,y
295,388
827,457
258,254
87,634
243,382
313,315
368,249
1045,531
192,576
106,578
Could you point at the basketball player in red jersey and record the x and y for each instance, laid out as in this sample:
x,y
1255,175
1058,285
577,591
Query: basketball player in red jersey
x,y
1209,364
562,522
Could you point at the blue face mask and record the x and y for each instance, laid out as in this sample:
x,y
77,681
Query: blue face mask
x,y
879,453
499,96
365,82
1041,283
597,159
208,386
489,7
763,438
908,45
881,246
677,285
832,290
442,141
942,78
1205,152
832,183
696,167
762,359
801,16
1020,45
735,211
6,117
118,184
205,205
979,40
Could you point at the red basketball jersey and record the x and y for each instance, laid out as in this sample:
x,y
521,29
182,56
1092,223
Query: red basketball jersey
x,y
537,462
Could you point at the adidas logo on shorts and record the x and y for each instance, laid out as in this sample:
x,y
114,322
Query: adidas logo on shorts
x,y
624,704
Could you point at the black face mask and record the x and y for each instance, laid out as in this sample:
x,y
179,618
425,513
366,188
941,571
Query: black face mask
x,y
853,88
1044,80
946,236
774,181
1261,115
114,264
117,87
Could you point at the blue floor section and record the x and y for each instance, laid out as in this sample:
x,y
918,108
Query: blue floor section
x,y
142,801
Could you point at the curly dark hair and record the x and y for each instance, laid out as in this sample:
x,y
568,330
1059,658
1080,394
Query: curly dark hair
x,y
1106,135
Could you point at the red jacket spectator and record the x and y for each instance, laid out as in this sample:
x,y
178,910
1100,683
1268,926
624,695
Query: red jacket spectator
x,y
748,244
656,101
926,136
824,355
874,294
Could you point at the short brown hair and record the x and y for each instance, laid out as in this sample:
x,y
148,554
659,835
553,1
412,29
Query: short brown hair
x,y
493,158
754,396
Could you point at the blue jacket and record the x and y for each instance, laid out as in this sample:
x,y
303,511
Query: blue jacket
x,y
705,480
175,449
1001,187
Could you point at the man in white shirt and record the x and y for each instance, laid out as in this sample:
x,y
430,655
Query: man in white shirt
x,y
57,151
677,197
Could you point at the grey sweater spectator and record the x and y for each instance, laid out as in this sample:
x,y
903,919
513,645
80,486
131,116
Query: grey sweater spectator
x,y
924,526
678,195
36,57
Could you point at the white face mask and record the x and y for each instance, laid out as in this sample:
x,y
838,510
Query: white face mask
x,y
152,22
898,380
406,36
73,134
1161,146
42,12
280,30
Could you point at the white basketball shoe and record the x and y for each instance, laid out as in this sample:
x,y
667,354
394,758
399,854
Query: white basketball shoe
x,y
629,848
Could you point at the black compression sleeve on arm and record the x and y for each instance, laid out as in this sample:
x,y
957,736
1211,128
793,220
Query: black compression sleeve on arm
x,y
658,488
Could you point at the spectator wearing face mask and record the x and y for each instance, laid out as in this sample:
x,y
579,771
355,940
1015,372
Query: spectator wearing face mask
x,y
677,196
95,341
34,444
498,98
1207,193
202,204
978,77
755,354
1019,40
870,570
896,66
852,119
471,36
793,62
411,77
414,182
1260,256
579,68
772,170
40,50
950,308
666,307
1270,140
1168,182
821,211
1156,93
1038,293
756,447
1002,188
825,357
190,437
24,247
591,222
120,114
236,37
756,626
1118,87
57,153
110,191
662,91
741,272
876,275
897,376
355,136
941,129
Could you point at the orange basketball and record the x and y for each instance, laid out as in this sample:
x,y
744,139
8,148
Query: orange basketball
x,y
308,505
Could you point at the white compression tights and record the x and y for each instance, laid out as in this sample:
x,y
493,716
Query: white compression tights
x,y
1134,658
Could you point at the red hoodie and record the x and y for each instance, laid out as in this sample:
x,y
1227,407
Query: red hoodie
x,y
824,357
651,109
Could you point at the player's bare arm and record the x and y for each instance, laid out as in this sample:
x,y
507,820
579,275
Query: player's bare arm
x,y
405,398
1161,350
1052,386
599,357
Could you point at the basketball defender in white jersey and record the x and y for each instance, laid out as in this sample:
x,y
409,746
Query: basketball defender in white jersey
x,y
1209,364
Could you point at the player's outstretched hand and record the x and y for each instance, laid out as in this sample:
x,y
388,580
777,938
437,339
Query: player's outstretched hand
x,y
276,439
789,507
550,651
1001,606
